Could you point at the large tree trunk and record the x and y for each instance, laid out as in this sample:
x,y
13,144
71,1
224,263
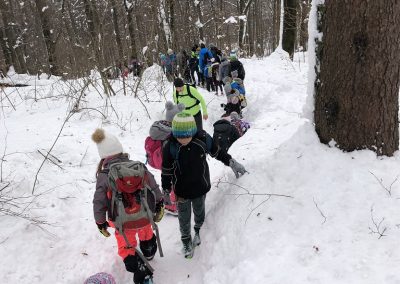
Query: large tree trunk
x,y
13,44
276,22
289,27
129,8
356,95
116,30
200,20
44,12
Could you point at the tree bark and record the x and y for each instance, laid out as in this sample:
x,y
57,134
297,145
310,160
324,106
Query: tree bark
x,y
116,30
44,12
356,93
289,27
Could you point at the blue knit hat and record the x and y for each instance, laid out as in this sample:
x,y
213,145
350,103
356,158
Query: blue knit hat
x,y
183,125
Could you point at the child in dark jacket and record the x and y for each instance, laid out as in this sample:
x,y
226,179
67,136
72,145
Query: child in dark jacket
x,y
110,151
185,168
229,129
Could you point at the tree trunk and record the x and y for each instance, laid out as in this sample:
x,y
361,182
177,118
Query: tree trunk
x,y
13,45
276,22
200,20
289,27
131,27
116,30
44,12
356,94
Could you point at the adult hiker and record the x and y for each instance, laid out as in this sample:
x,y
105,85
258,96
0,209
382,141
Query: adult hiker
x,y
193,101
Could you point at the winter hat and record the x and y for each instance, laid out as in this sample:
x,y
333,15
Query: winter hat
x,y
234,115
227,88
178,82
170,51
226,80
100,278
172,109
107,144
233,96
183,125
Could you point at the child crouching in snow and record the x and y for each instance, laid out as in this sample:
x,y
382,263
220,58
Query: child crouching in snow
x,y
111,154
185,168
228,129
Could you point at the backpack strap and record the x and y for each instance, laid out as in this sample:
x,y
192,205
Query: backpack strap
x,y
188,94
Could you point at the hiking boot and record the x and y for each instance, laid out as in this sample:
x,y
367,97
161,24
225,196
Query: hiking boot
x,y
196,238
187,247
148,280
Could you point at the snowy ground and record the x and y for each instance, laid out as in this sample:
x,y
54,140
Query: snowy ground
x,y
305,213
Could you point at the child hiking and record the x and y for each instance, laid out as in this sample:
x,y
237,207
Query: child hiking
x,y
159,132
127,193
192,100
185,168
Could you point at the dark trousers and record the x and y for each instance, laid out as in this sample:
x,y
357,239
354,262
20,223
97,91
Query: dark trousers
x,y
192,71
185,214
198,118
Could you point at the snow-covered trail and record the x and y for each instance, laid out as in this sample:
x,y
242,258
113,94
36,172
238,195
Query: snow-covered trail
x,y
275,94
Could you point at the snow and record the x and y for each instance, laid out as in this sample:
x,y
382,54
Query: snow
x,y
305,213
231,20
45,8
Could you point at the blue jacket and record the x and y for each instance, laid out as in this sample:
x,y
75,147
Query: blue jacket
x,y
203,57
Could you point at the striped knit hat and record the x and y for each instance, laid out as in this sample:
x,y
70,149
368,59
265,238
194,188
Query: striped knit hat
x,y
183,125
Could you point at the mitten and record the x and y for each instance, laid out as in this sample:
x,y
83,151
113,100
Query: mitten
x,y
103,228
159,211
237,168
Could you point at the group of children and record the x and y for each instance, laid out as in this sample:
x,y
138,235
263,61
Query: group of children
x,y
178,146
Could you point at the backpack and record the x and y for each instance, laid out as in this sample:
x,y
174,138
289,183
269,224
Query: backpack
x,y
188,94
153,152
132,200
224,135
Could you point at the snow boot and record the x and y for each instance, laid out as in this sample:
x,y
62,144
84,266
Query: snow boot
x,y
188,248
142,275
196,239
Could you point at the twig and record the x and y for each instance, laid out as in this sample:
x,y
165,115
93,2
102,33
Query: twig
x,y
50,160
2,158
8,99
377,230
322,214
248,216
83,157
388,190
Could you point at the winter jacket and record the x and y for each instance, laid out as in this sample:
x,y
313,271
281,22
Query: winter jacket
x,y
237,84
225,133
170,63
192,105
224,68
101,202
237,65
203,56
185,167
193,61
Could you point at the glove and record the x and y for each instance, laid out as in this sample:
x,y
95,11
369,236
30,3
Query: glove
x,y
103,228
167,198
159,211
237,168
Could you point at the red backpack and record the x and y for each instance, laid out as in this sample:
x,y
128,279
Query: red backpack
x,y
153,152
132,200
